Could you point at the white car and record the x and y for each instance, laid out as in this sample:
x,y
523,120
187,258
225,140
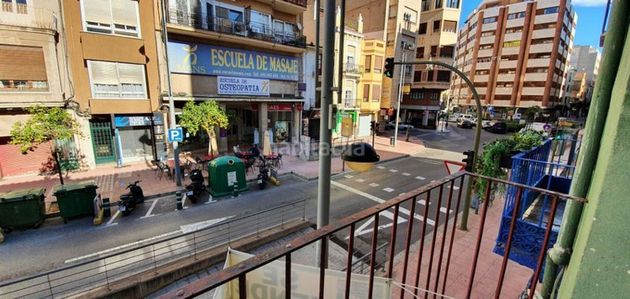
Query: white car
x,y
453,117
467,117
401,126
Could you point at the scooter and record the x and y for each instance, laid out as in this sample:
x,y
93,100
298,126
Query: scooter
x,y
128,201
263,174
196,186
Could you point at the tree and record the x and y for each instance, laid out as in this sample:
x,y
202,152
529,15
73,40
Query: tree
x,y
205,116
532,112
46,124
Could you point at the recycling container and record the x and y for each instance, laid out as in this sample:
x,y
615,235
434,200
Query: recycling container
x,y
22,209
76,199
226,175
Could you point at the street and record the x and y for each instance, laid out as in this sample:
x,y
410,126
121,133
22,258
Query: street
x,y
55,244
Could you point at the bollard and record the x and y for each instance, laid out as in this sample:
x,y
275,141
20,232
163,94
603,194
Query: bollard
x,y
107,212
178,197
235,192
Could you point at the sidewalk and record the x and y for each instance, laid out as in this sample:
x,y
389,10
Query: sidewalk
x,y
112,181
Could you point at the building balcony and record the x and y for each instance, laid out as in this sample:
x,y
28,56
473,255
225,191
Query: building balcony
x,y
485,53
484,40
544,33
503,90
483,66
515,23
352,68
538,62
222,29
538,77
508,64
512,36
533,91
481,78
543,19
25,16
369,106
505,78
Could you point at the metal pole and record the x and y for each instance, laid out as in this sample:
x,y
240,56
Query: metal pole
x,y
171,104
559,254
401,81
342,33
317,5
464,223
328,62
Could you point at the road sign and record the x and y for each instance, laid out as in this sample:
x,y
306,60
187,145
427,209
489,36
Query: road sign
x,y
175,135
453,166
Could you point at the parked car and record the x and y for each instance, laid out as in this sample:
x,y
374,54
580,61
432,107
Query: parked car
x,y
486,123
468,117
454,117
466,124
497,128
401,126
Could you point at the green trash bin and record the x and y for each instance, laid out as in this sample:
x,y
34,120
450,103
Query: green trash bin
x,y
22,209
226,175
76,199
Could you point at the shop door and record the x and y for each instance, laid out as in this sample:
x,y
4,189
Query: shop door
x,y
364,125
102,142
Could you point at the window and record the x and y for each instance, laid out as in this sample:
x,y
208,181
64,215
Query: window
x,y
368,63
420,52
417,94
282,31
438,4
452,3
422,29
512,44
430,75
417,76
444,76
434,51
514,30
426,5
117,80
436,25
378,64
7,5
487,33
550,10
489,20
260,22
366,92
447,51
22,69
516,15
118,17
376,93
450,26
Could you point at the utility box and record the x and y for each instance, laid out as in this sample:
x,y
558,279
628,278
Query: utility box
x,y
226,175
22,209
76,199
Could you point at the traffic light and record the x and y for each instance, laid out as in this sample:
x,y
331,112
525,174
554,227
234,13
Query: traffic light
x,y
373,126
469,160
389,67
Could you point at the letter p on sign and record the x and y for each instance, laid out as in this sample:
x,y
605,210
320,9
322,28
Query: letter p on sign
x,y
175,135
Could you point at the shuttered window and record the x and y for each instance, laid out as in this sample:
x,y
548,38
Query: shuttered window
x,y
117,80
376,93
118,17
366,92
22,69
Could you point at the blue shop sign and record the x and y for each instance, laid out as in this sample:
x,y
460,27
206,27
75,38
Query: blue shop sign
x,y
202,59
121,121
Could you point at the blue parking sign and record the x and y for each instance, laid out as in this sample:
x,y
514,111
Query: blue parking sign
x,y
175,135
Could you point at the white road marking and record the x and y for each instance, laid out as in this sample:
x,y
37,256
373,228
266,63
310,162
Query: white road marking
x,y
360,180
393,170
388,189
442,209
380,167
420,178
373,185
182,229
379,200
113,218
148,214
347,176
406,174
401,194
363,229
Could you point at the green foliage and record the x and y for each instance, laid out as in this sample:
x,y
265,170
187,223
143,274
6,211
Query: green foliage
x,y
514,126
526,140
204,116
45,124
531,112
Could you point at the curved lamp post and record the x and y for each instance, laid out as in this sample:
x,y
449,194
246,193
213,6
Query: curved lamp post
x,y
363,159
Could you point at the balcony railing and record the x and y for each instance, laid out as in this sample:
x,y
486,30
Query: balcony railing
x,y
352,68
246,29
440,250
297,2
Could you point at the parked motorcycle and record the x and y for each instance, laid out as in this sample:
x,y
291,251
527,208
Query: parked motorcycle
x,y
129,200
196,186
263,173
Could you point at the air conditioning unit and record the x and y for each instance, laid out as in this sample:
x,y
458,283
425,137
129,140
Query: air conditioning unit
x,y
240,29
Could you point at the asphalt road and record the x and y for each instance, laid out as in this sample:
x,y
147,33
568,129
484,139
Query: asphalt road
x,y
55,244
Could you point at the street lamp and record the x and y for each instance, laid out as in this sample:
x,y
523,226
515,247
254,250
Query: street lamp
x,y
360,156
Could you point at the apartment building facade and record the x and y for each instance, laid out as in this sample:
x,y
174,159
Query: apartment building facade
x,y
516,53
585,59
395,22
246,55
32,72
114,69
437,37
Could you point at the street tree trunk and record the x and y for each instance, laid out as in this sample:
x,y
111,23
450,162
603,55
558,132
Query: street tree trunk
x,y
212,143
57,166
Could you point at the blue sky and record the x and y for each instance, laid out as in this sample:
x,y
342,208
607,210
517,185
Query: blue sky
x,y
590,18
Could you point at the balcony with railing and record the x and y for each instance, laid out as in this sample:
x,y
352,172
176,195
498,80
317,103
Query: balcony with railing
x,y
406,247
238,29
352,68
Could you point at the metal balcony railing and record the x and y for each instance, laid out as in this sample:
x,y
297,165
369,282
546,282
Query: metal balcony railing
x,y
433,256
246,29
297,2
352,68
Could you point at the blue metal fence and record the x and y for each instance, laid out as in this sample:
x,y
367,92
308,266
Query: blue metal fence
x,y
549,166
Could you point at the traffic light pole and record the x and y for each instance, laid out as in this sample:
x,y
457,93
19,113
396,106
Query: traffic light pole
x,y
400,93
464,222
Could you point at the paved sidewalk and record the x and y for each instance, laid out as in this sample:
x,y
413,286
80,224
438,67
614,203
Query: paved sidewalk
x,y
112,181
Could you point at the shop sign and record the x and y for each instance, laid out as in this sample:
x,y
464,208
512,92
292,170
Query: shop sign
x,y
202,59
242,86
121,121
279,107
